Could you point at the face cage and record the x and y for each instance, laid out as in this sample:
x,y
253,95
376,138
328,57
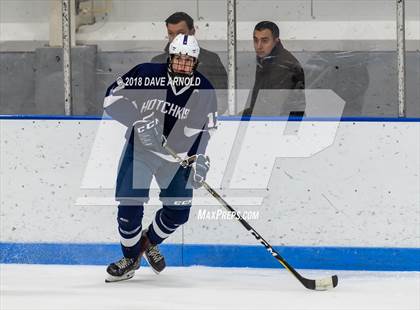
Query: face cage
x,y
186,74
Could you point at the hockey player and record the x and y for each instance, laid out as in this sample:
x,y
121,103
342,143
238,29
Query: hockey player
x,y
160,104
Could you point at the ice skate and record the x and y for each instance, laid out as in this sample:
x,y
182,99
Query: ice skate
x,y
152,254
123,269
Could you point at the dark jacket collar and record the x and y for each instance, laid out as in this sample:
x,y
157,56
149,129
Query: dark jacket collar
x,y
261,61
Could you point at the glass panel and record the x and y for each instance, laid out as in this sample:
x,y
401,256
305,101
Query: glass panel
x,y
352,54
413,58
28,71
112,37
128,33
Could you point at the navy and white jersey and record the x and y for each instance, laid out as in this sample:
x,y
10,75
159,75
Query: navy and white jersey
x,y
185,106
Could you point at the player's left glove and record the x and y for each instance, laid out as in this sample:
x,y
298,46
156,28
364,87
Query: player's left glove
x,y
150,134
200,166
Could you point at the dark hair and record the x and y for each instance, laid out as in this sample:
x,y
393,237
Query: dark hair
x,y
179,17
268,25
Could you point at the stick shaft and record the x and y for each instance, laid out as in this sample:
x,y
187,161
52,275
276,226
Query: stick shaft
x,y
244,223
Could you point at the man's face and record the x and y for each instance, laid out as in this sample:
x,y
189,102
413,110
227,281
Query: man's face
x,y
175,29
264,42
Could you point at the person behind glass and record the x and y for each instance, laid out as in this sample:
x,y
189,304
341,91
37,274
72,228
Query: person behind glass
x,y
209,63
277,69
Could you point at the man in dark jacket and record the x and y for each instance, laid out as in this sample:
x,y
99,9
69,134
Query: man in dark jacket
x,y
279,78
209,63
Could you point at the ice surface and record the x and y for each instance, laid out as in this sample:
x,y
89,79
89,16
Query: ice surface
x,y
82,287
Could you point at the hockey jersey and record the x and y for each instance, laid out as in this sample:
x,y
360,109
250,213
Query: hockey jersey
x,y
186,107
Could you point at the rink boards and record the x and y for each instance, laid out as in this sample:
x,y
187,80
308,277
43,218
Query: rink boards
x,y
327,194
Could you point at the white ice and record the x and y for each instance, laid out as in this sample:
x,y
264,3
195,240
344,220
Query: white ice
x,y
82,287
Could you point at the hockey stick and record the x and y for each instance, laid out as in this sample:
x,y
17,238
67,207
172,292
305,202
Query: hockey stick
x,y
319,285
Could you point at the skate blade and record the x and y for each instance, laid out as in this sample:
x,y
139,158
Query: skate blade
x,y
127,276
154,270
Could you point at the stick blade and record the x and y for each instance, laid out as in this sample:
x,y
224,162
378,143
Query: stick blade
x,y
326,283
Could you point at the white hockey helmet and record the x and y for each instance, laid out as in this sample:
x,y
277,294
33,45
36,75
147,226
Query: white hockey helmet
x,y
184,44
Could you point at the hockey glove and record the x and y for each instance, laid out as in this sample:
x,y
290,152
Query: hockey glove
x,y
200,168
150,134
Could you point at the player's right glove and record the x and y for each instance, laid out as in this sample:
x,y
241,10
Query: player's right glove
x,y
150,134
200,168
